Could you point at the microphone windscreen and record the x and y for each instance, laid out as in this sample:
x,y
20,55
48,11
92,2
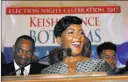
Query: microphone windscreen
x,y
69,51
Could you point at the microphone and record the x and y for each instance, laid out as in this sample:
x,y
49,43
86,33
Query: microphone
x,y
61,49
69,51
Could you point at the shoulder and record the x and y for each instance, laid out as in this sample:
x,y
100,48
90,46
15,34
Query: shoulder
x,y
39,65
96,61
92,62
122,71
9,68
93,65
57,65
57,68
11,64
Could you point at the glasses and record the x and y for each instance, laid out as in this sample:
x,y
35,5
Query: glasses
x,y
20,50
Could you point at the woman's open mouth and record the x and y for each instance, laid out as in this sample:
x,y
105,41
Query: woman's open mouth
x,y
76,44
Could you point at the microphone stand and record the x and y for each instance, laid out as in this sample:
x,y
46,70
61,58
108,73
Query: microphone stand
x,y
37,60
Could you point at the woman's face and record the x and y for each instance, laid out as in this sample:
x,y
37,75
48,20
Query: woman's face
x,y
73,37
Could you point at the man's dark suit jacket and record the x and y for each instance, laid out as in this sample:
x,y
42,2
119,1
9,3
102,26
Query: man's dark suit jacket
x,y
35,68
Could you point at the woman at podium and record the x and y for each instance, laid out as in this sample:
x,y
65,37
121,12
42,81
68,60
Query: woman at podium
x,y
69,34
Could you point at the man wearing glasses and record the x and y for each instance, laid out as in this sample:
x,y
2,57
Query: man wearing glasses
x,y
23,51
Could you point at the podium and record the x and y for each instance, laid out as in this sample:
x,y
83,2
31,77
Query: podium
x,y
80,77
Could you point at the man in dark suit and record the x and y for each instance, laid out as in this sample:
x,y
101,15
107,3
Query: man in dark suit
x,y
23,51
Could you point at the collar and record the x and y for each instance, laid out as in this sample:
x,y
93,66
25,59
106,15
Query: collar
x,y
27,68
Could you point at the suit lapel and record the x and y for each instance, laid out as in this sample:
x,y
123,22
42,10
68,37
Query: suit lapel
x,y
10,68
32,70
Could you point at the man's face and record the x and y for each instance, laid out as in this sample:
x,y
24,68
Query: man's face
x,y
73,37
23,52
109,56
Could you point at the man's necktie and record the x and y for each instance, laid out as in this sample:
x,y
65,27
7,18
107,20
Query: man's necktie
x,y
22,71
